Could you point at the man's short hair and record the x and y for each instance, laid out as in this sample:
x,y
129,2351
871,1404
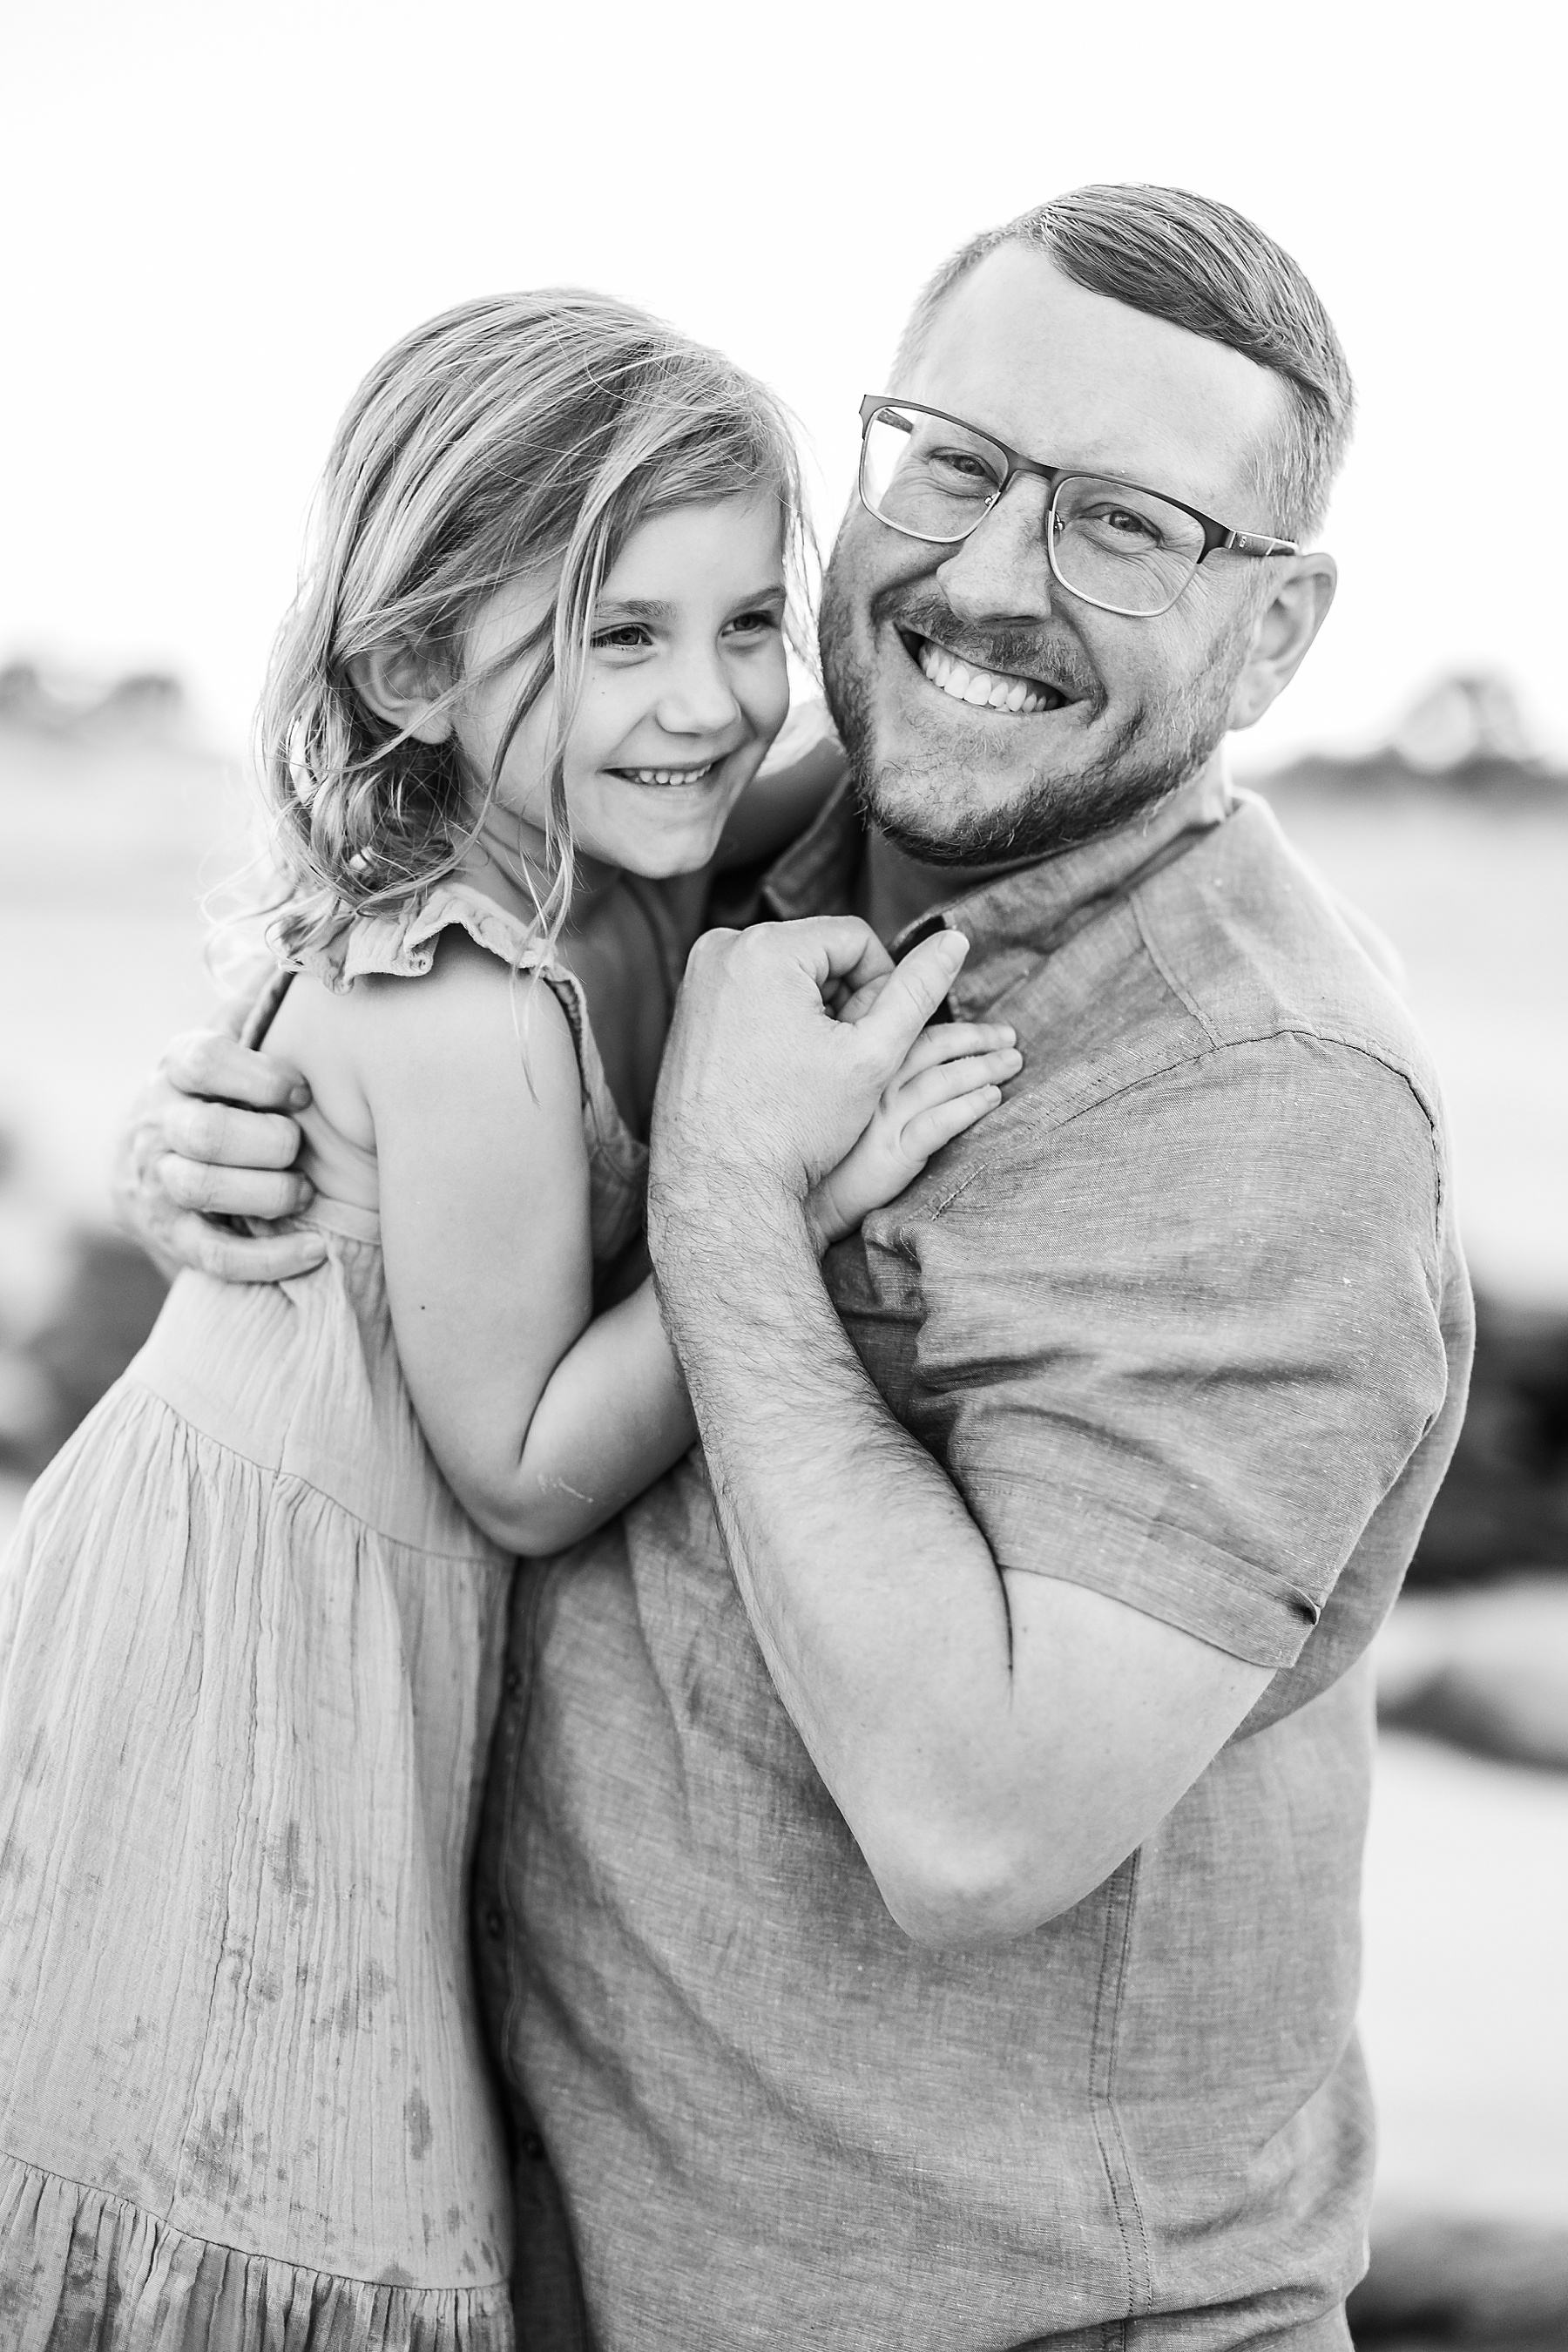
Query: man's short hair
x,y
1208,268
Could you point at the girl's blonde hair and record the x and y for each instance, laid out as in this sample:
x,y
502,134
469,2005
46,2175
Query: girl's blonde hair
x,y
518,434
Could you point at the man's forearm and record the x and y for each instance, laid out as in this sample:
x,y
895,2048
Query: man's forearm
x,y
873,1595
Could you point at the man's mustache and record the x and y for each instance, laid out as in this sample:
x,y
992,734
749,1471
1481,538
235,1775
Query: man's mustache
x,y
1051,661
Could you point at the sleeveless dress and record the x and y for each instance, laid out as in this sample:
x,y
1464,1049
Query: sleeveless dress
x,y
250,1648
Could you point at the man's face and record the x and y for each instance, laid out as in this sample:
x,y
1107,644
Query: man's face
x,y
1133,708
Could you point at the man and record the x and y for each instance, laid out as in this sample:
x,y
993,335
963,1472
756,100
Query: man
x,y
918,1904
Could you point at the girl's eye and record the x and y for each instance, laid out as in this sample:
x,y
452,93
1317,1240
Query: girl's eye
x,y
755,625
629,638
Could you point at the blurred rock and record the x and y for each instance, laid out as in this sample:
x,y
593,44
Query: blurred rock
x,y
1504,1503
1442,2282
33,1247
1485,1670
1465,732
108,1305
147,704
1461,720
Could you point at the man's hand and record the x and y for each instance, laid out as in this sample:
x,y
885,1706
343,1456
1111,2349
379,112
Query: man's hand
x,y
213,1138
760,1083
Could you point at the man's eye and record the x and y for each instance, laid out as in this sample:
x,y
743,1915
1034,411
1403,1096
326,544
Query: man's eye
x,y
961,466
1125,522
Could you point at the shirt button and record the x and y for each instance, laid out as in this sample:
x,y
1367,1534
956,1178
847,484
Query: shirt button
x,y
532,2147
511,1681
494,1924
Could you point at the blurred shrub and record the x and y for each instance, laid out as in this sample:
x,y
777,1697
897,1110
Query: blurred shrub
x,y
1453,2281
1504,1503
108,1305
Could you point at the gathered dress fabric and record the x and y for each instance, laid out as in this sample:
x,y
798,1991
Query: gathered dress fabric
x,y
250,1646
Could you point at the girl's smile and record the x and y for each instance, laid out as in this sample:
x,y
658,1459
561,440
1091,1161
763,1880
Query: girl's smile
x,y
666,775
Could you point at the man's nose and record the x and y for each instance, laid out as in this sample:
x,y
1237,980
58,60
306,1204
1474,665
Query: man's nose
x,y
698,697
1001,572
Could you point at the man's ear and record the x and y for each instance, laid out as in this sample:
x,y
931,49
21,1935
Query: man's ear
x,y
402,684
1286,627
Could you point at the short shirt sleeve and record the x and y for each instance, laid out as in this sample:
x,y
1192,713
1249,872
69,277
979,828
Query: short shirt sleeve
x,y
1179,1347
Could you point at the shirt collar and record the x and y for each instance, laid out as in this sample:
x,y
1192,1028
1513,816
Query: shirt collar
x,y
1011,919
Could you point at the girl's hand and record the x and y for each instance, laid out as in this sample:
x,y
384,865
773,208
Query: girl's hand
x,y
952,1076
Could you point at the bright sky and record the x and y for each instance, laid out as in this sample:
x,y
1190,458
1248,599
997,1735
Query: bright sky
x,y
217,217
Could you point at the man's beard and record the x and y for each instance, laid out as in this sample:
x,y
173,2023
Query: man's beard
x,y
1151,755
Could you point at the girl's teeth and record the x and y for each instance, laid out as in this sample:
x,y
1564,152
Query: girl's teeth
x,y
671,775
979,687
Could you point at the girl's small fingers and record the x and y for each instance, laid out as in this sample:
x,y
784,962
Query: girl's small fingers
x,y
929,1129
949,1041
949,1078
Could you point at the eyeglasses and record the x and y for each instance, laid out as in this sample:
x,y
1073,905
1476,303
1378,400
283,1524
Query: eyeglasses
x,y
1120,548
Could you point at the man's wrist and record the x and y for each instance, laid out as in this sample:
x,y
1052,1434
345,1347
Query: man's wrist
x,y
723,1232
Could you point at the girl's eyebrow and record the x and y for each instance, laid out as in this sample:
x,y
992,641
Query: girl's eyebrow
x,y
646,608
637,608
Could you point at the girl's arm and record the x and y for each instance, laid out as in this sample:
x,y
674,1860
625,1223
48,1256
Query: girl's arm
x,y
546,1420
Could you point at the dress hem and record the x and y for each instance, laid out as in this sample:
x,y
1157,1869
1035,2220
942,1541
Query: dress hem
x,y
81,2264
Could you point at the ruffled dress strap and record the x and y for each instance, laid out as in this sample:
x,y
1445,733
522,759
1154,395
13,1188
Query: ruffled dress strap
x,y
402,943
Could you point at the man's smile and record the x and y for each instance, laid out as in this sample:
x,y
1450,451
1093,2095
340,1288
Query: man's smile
x,y
982,689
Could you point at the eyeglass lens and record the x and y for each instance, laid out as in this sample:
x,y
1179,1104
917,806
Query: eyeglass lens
x,y
1125,550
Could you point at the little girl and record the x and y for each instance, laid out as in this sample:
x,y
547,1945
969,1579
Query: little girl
x,y
249,1627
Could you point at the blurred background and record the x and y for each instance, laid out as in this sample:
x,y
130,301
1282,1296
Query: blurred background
x,y
218,217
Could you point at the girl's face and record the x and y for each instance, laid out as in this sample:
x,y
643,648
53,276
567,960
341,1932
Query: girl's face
x,y
685,689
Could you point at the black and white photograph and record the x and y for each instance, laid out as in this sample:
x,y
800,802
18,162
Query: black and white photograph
x,y
784,1099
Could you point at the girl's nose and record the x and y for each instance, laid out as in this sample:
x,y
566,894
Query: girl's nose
x,y
698,699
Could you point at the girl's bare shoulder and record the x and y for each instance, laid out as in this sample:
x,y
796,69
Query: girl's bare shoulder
x,y
471,1020
471,1043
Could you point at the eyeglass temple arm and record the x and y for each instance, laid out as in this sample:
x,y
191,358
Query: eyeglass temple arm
x,y
1248,542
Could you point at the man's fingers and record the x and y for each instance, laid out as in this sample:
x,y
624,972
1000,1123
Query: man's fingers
x,y
208,1063
235,1257
219,1191
837,950
232,1138
853,1008
915,988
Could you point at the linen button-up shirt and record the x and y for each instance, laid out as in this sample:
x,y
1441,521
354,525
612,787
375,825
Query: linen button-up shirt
x,y
1184,1320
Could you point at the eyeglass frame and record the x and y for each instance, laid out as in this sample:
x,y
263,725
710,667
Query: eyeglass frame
x,y
1217,536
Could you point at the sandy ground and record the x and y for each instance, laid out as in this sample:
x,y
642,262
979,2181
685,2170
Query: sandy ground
x,y
104,860
1472,899
1466,1956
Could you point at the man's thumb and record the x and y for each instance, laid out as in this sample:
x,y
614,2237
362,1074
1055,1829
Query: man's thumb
x,y
911,992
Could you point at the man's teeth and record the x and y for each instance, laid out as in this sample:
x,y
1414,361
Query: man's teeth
x,y
671,775
993,687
